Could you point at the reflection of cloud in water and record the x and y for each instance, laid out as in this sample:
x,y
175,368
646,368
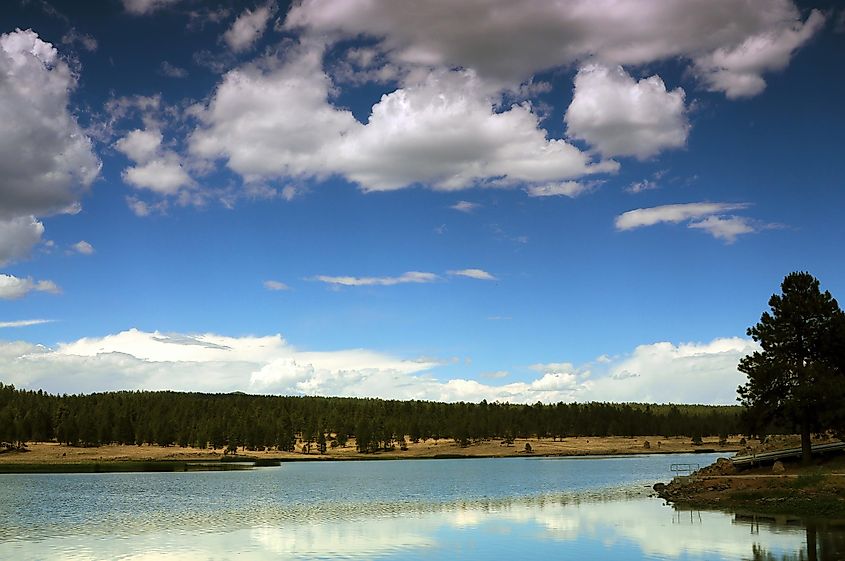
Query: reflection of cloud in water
x,y
413,529
362,540
655,529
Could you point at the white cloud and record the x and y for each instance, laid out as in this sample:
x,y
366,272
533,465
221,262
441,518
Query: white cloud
x,y
272,118
478,274
659,372
566,189
144,7
140,145
511,41
737,69
88,42
171,70
249,27
46,161
164,175
683,373
465,206
12,287
275,285
709,217
151,360
640,217
640,186
17,237
445,132
83,247
622,117
725,228
404,278
142,208
156,169
291,192
24,322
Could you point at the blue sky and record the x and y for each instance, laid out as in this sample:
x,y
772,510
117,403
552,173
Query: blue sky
x,y
508,201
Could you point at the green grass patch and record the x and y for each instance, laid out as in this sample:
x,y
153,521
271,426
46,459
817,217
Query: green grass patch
x,y
807,481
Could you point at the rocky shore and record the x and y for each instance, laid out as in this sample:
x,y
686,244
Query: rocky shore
x,y
818,489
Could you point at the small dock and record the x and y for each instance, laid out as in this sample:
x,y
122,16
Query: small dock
x,y
767,457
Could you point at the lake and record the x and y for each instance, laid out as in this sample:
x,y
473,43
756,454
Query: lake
x,y
468,509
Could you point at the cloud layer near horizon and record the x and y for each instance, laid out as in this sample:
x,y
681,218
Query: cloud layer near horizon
x,y
132,360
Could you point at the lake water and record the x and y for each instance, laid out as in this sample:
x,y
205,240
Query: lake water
x,y
516,508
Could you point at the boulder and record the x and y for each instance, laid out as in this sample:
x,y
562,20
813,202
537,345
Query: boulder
x,y
778,468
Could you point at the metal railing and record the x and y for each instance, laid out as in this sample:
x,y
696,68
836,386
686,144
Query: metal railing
x,y
684,468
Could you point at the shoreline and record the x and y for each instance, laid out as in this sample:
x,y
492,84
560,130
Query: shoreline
x,y
787,488
56,458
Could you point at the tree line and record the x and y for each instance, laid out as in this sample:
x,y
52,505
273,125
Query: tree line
x,y
236,420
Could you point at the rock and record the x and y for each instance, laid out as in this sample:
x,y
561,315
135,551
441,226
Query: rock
x,y
778,467
659,487
725,466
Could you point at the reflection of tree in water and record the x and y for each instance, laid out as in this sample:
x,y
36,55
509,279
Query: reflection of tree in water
x,y
824,543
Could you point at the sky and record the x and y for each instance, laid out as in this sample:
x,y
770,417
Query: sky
x,y
516,201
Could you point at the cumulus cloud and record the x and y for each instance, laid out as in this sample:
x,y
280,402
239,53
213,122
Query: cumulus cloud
x,y
622,117
273,118
275,285
17,237
446,132
249,27
156,169
737,70
12,287
140,145
414,277
46,161
151,360
659,372
679,373
478,274
164,175
511,41
83,247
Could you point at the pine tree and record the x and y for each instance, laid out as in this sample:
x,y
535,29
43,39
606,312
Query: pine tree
x,y
798,375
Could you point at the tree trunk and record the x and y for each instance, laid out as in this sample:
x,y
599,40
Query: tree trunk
x,y
812,554
806,447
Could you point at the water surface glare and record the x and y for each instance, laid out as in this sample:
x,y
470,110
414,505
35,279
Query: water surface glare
x,y
556,508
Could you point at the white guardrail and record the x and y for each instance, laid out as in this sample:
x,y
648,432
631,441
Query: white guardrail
x,y
787,453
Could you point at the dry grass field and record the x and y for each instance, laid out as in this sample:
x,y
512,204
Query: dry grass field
x,y
52,453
